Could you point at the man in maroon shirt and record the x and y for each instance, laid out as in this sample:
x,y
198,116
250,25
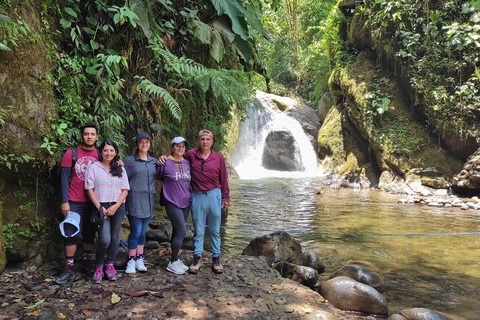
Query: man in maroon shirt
x,y
210,195
74,198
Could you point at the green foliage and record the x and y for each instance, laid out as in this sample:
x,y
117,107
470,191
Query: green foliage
x,y
122,68
15,33
9,234
11,161
379,98
318,24
432,39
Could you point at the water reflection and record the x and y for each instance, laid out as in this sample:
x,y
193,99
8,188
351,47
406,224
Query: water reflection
x,y
421,269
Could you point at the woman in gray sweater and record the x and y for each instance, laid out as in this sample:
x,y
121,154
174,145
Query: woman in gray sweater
x,y
141,168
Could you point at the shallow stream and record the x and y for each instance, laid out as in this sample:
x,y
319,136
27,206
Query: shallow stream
x,y
399,241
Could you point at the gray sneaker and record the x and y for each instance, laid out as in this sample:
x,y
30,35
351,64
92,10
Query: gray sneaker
x,y
67,275
175,267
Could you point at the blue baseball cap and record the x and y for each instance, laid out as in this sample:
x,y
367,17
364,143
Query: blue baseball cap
x,y
177,140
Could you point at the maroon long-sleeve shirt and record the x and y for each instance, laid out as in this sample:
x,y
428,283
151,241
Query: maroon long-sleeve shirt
x,y
208,174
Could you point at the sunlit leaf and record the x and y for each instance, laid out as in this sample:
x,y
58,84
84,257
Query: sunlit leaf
x,y
36,304
34,313
115,298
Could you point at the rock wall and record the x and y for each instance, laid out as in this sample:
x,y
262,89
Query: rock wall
x,y
26,99
360,138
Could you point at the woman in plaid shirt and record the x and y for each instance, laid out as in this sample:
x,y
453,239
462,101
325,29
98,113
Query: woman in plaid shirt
x,y
107,187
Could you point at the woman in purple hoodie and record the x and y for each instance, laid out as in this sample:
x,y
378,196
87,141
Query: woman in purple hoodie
x,y
175,174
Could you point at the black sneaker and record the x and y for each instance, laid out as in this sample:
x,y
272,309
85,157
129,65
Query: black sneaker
x,y
87,267
67,275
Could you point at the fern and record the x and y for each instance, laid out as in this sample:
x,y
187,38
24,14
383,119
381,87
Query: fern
x,y
150,88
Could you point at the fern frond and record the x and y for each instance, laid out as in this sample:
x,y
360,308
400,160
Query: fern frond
x,y
150,88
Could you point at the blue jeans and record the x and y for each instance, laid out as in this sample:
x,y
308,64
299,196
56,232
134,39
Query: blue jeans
x,y
207,206
108,237
138,229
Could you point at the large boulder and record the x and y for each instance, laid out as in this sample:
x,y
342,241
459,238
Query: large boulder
x,y
276,247
301,274
361,274
324,105
308,119
468,180
281,152
350,295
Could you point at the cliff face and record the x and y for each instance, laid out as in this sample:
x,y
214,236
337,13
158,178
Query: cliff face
x,y
385,119
26,100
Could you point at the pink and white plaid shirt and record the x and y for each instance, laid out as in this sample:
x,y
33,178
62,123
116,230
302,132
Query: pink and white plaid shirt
x,y
106,187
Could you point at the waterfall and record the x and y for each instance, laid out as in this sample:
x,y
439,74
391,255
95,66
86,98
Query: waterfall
x,y
263,118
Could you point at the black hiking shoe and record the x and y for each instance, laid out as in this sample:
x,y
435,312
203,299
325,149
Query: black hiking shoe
x,y
67,275
216,265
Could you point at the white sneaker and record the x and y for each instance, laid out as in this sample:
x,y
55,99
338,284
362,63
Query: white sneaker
x,y
183,265
140,265
130,266
176,267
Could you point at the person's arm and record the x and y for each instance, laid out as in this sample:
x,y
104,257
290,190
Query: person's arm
x,y
66,172
93,198
160,171
224,182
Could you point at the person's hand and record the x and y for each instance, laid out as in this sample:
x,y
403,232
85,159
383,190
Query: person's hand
x,y
161,161
120,163
111,210
224,206
65,209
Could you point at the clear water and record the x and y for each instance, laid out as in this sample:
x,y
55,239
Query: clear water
x,y
437,272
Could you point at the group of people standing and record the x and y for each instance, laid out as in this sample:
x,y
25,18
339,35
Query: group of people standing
x,y
98,180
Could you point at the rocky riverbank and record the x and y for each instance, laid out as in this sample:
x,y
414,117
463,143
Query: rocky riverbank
x,y
249,289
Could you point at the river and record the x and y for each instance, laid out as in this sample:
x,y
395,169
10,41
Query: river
x,y
399,241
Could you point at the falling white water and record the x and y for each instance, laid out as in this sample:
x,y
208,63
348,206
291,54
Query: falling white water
x,y
262,117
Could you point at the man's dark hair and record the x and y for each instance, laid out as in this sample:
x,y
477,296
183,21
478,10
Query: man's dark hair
x,y
88,125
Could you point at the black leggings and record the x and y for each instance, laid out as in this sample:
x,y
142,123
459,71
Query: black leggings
x,y
177,217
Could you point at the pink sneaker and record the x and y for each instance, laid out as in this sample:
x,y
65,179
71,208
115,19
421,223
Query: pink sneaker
x,y
111,272
98,275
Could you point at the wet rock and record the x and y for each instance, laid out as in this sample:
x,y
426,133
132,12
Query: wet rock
x,y
361,274
468,180
301,274
162,233
280,152
426,314
152,245
51,312
350,295
121,260
324,105
276,247
312,260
